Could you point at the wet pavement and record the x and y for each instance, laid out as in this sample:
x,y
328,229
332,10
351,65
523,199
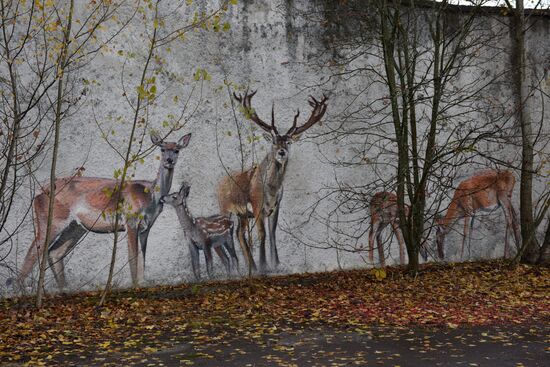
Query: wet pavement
x,y
505,345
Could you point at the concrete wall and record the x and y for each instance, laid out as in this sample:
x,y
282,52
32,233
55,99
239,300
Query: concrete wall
x,y
271,47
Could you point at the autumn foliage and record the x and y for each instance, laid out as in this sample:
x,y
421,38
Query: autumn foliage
x,y
447,296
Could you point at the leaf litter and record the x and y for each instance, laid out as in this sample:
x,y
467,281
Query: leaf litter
x,y
138,325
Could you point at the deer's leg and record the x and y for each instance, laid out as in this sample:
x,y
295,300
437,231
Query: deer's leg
x,y
194,252
506,249
470,235
143,236
260,224
223,257
30,259
55,259
382,257
373,228
229,245
242,227
400,240
272,221
511,220
424,251
208,258
34,253
40,204
57,251
135,257
509,215
465,235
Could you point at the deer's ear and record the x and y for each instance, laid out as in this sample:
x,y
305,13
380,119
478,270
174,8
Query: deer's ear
x,y
294,138
184,141
268,137
155,138
182,188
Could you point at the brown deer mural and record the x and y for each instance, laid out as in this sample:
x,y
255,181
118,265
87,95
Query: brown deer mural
x,y
204,233
86,204
257,192
383,212
484,191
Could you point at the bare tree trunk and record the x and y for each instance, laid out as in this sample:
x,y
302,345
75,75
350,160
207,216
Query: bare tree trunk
x,y
530,244
59,103
412,253
399,37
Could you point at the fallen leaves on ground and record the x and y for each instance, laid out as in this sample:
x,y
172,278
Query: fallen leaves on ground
x,y
446,296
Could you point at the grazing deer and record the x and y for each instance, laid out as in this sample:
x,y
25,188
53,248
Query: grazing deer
x,y
87,204
204,233
257,192
484,191
383,212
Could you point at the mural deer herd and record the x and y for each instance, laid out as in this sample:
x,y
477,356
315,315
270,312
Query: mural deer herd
x,y
254,194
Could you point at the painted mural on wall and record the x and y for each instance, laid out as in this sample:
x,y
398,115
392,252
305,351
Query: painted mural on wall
x,y
81,204
88,204
85,204
257,193
383,212
484,191
343,187
214,232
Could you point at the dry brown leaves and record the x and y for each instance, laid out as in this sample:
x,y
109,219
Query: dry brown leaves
x,y
447,296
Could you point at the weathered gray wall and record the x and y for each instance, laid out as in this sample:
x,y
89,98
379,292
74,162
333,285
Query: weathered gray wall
x,y
269,48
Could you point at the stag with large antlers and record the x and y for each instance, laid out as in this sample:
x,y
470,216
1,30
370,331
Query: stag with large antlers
x,y
257,192
87,204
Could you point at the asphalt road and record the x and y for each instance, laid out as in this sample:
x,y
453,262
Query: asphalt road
x,y
505,345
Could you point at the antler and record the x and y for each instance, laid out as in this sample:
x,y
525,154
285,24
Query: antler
x,y
245,101
289,132
319,109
